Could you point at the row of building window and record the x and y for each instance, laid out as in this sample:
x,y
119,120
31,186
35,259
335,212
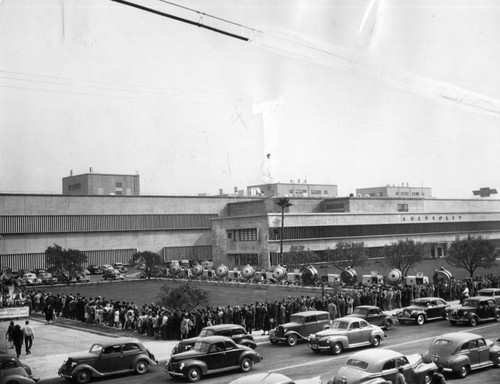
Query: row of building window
x,y
293,233
94,223
242,259
244,234
198,252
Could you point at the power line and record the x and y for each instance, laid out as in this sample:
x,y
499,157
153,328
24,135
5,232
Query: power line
x,y
211,16
198,24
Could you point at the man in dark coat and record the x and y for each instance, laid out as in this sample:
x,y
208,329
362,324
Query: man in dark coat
x,y
17,339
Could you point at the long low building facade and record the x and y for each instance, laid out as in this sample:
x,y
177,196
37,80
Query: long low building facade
x,y
250,233
230,230
106,228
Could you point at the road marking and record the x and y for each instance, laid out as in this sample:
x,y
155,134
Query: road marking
x,y
391,346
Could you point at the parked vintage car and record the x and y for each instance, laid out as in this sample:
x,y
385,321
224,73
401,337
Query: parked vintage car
x,y
30,279
13,371
346,333
475,310
301,325
374,315
120,267
490,292
381,365
422,310
264,378
112,274
212,354
235,332
108,358
47,278
95,269
462,352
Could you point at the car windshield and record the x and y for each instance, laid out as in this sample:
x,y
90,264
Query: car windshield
x,y
206,332
297,319
470,303
96,348
360,311
360,364
339,324
201,346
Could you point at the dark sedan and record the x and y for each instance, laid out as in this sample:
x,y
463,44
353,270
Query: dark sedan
x,y
423,309
213,354
462,352
235,332
374,315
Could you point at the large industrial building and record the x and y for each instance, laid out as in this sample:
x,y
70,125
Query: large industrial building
x,y
234,230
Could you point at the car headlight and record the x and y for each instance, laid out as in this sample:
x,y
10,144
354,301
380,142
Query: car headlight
x,y
181,367
285,330
413,312
73,364
465,313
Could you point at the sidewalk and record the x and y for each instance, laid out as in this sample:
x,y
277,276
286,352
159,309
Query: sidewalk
x,y
54,343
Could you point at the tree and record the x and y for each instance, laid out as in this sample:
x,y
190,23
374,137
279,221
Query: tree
x,y
472,253
151,261
68,263
347,254
299,255
185,297
403,255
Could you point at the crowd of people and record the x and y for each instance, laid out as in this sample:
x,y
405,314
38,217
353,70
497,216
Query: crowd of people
x,y
178,323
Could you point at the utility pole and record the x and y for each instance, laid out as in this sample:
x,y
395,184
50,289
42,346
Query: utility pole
x,y
283,203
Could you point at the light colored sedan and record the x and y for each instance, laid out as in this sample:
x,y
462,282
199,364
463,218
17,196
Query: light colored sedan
x,y
380,366
345,333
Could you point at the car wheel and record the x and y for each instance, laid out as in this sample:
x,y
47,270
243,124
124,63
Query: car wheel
x,y
193,374
337,349
388,324
453,322
246,364
83,376
427,379
497,316
376,341
292,340
473,321
463,371
141,367
420,319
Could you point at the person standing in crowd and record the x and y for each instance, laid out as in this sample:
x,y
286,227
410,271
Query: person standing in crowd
x,y
17,339
29,336
8,334
185,327
49,314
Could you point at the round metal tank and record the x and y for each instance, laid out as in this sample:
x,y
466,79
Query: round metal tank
x,y
279,273
349,276
309,275
248,272
197,270
395,276
221,271
442,276
175,269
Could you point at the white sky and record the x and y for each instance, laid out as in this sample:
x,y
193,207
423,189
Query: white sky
x,y
407,92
